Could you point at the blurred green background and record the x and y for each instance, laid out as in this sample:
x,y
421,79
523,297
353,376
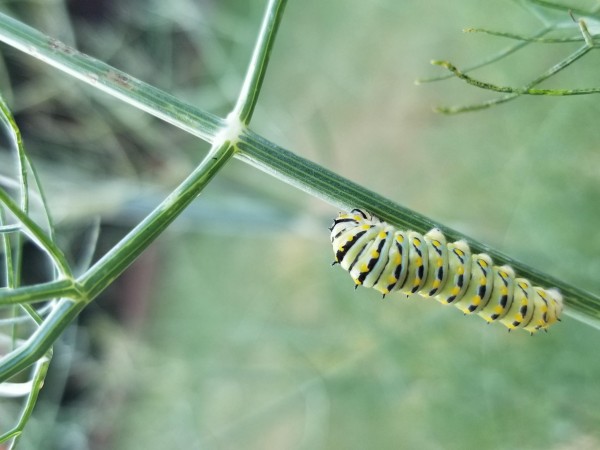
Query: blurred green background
x,y
233,331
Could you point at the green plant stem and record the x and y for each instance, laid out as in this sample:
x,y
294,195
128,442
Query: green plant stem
x,y
15,136
108,79
475,107
113,263
520,37
35,233
40,342
528,89
66,287
512,92
250,91
491,59
6,229
40,370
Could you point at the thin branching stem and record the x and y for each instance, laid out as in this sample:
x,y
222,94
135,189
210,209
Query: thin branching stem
x,y
40,342
113,263
42,292
528,89
36,234
37,382
514,92
589,39
491,59
257,68
520,37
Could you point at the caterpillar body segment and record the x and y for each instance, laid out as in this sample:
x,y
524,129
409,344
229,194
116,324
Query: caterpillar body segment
x,y
438,262
459,268
380,256
478,289
521,309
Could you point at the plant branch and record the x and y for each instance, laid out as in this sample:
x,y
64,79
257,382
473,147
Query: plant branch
x,y
108,79
42,292
113,263
35,233
40,342
512,92
526,90
520,37
491,59
257,68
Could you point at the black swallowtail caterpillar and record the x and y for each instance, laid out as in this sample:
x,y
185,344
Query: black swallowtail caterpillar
x,y
380,256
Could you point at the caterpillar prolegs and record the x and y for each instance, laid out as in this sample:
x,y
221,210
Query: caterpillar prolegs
x,y
380,256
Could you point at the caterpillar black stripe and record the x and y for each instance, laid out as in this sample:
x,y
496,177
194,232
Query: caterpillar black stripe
x,y
380,256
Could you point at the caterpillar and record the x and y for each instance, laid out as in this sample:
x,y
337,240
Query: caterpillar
x,y
379,256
